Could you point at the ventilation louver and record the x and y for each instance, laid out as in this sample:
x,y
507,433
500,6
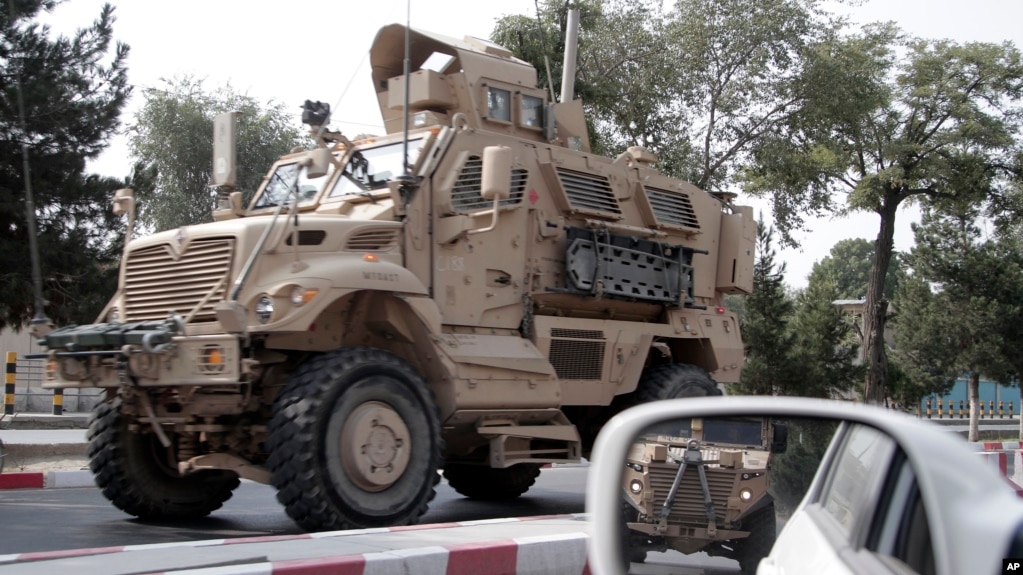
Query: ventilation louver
x,y
466,196
373,240
672,208
589,191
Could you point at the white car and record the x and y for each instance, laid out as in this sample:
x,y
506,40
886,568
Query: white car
x,y
892,494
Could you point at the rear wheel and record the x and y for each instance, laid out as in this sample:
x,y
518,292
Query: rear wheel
x,y
491,484
139,475
762,533
354,442
670,381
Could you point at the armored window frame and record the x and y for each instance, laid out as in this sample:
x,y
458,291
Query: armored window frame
x,y
500,113
535,112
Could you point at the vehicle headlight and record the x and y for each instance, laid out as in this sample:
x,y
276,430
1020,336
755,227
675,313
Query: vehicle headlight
x,y
636,486
264,309
745,494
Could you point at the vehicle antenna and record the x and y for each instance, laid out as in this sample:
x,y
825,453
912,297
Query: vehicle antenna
x,y
40,324
543,47
406,178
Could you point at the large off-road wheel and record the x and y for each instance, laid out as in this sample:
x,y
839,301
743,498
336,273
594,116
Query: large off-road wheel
x,y
354,442
490,484
672,381
763,530
139,475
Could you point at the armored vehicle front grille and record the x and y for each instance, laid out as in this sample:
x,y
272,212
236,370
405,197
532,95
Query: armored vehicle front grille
x,y
672,208
588,191
375,240
466,196
688,506
155,283
581,358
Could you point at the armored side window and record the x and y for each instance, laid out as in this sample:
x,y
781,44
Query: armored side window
x,y
531,112
499,107
465,195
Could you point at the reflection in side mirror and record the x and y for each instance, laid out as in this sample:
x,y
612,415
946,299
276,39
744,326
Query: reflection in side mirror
x,y
714,485
795,486
780,443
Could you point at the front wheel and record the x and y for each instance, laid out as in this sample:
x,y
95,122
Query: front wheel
x,y
762,533
139,475
354,442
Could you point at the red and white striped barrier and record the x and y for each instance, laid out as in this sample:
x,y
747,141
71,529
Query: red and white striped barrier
x,y
1008,457
562,553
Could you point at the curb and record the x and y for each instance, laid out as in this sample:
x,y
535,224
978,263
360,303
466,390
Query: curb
x,y
564,553
46,480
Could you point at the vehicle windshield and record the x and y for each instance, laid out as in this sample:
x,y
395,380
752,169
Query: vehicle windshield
x,y
371,168
735,431
278,189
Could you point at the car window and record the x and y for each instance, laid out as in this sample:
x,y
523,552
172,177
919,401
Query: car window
x,y
858,468
900,529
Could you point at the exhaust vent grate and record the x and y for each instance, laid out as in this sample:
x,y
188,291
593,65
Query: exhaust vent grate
x,y
466,196
577,359
374,240
588,191
672,208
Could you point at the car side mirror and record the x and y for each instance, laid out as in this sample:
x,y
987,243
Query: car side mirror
x,y
659,488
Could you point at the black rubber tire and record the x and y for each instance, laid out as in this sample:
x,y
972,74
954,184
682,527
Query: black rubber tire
x,y
670,381
763,530
491,484
309,422
133,472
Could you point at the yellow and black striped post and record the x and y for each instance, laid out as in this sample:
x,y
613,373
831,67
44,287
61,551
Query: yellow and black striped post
x,y
1001,409
928,409
981,409
58,401
9,376
940,412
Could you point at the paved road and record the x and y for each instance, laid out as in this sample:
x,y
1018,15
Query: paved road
x,y
54,519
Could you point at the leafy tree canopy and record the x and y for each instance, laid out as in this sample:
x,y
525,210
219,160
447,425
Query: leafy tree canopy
x,y
172,139
848,266
73,90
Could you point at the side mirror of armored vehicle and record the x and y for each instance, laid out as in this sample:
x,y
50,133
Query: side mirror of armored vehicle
x,y
496,181
780,439
497,161
317,162
124,202
229,206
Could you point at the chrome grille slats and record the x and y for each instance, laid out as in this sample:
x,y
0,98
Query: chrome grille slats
x,y
688,506
154,283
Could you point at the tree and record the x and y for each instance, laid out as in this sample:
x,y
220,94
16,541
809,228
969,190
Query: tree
x,y
962,323
704,82
908,119
848,266
173,139
72,90
769,368
825,347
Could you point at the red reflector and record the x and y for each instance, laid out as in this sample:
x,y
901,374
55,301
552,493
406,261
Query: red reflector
x,y
312,327
721,310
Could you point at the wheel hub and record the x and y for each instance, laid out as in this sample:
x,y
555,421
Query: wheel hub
x,y
375,446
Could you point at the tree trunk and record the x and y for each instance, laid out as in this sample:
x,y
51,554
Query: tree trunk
x,y
974,391
1020,374
875,309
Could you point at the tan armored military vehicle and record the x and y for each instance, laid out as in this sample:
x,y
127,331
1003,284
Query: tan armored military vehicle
x,y
702,485
478,296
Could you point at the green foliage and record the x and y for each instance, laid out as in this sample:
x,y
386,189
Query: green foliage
x,y
701,83
73,91
848,266
960,314
825,346
769,368
792,471
173,138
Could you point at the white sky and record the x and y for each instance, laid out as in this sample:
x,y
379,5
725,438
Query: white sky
x,y
295,50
